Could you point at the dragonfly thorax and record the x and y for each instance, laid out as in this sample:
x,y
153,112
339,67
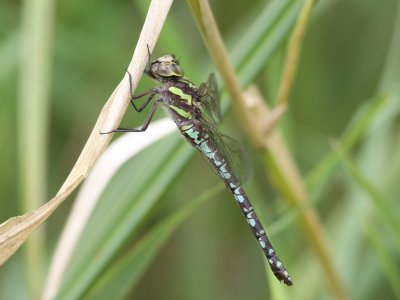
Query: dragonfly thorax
x,y
165,67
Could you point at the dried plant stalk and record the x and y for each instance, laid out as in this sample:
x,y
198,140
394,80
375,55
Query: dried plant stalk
x,y
15,231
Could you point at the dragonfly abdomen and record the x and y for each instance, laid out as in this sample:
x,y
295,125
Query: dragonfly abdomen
x,y
259,233
200,140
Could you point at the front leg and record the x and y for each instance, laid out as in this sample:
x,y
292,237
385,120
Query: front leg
x,y
145,125
152,93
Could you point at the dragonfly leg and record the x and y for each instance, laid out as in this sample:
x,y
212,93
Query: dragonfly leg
x,y
147,71
149,57
145,125
143,106
152,93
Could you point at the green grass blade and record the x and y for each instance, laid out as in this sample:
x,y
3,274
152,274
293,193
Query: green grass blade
x,y
391,72
33,122
388,260
381,205
128,269
123,206
266,34
354,133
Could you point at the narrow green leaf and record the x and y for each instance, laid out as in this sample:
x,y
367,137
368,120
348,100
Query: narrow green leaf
x,y
391,72
352,135
381,205
267,33
388,261
127,200
128,269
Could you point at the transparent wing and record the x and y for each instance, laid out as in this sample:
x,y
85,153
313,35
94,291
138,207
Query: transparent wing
x,y
238,159
231,151
209,98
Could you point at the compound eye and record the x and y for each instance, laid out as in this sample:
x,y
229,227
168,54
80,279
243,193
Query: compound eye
x,y
166,66
169,69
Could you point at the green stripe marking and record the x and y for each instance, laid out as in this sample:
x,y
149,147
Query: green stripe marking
x,y
181,112
177,91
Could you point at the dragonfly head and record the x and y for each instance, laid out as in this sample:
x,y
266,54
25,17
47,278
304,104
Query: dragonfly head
x,y
165,66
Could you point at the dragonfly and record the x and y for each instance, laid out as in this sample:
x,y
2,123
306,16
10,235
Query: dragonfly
x,y
196,111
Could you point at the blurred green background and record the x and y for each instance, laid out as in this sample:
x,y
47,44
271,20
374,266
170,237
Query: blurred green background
x,y
344,105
